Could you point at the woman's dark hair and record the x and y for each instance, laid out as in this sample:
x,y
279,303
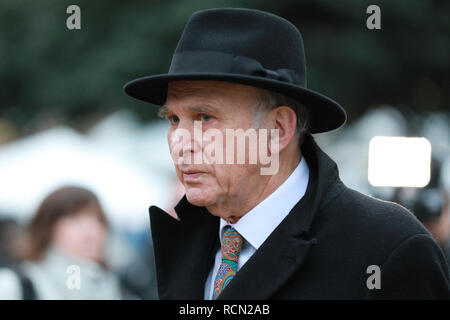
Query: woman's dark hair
x,y
63,202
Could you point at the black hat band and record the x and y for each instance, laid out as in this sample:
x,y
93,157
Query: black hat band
x,y
220,62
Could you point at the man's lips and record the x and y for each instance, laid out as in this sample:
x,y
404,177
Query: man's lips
x,y
192,175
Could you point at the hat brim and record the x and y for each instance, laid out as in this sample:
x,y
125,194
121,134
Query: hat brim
x,y
325,113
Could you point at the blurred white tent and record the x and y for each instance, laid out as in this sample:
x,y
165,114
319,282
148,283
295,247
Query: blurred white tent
x,y
124,164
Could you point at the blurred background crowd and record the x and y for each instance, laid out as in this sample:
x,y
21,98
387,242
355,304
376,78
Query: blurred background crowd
x,y
80,162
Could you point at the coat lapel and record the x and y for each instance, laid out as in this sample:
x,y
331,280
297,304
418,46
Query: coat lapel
x,y
268,269
184,249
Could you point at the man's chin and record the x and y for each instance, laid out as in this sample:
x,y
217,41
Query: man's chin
x,y
198,197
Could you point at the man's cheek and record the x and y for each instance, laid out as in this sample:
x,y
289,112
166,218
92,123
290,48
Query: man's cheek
x,y
221,178
175,151
179,174
176,140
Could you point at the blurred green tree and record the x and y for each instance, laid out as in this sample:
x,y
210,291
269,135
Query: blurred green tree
x,y
72,74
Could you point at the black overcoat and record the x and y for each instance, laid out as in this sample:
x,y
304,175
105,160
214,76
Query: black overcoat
x,y
321,250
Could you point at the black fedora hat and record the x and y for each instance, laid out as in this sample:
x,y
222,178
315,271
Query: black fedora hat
x,y
245,46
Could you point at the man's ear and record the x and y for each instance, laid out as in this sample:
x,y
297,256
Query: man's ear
x,y
284,120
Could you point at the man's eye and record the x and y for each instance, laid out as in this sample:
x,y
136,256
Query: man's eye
x,y
205,117
173,119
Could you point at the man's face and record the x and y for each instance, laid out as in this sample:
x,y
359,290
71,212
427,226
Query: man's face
x,y
218,105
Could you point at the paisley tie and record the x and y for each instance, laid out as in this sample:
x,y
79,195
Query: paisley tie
x,y
232,243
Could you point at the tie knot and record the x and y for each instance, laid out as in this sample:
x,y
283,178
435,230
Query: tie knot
x,y
232,243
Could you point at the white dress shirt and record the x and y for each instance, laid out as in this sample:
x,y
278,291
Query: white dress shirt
x,y
257,224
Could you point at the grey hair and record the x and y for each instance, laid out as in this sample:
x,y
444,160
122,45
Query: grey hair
x,y
269,100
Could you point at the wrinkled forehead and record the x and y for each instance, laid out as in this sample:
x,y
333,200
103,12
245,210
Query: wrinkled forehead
x,y
218,91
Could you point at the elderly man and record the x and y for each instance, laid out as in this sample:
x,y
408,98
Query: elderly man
x,y
295,232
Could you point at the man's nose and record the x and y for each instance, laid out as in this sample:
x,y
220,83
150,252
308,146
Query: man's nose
x,y
186,139
188,148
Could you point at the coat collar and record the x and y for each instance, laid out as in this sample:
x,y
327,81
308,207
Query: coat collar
x,y
185,248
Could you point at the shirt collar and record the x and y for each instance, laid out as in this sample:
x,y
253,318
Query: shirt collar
x,y
257,224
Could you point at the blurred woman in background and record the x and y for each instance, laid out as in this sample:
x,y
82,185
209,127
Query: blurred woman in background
x,y
63,251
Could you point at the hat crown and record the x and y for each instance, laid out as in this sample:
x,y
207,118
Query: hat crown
x,y
271,40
